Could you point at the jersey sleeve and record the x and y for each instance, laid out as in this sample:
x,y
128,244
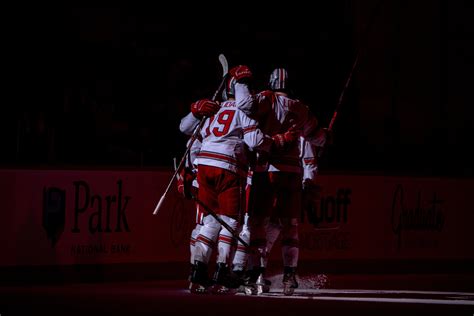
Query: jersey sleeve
x,y
253,136
193,152
188,124
318,139
253,105
311,129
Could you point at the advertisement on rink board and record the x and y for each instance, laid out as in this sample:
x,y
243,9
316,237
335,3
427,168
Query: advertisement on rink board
x,y
62,217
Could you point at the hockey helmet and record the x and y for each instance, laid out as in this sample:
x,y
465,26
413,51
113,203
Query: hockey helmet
x,y
279,79
229,91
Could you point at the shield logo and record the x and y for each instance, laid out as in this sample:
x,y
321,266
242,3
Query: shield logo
x,y
54,213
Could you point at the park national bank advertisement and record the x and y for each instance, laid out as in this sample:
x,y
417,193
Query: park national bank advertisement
x,y
63,217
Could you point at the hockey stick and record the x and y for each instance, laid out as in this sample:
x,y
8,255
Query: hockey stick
x,y
178,176
349,78
213,214
225,69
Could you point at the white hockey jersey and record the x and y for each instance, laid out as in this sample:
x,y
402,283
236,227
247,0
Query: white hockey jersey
x,y
227,138
276,113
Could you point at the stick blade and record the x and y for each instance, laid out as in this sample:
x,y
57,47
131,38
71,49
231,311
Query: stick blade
x,y
225,65
158,206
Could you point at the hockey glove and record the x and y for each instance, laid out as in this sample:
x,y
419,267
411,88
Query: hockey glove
x,y
285,140
204,107
185,182
241,72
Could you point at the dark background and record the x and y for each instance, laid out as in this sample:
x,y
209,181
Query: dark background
x,y
107,87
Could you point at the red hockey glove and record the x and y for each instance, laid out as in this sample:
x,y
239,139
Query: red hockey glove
x,y
185,182
204,107
285,140
241,72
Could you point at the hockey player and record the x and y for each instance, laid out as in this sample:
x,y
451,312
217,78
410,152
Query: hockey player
x,y
201,109
276,185
188,187
239,253
186,180
222,169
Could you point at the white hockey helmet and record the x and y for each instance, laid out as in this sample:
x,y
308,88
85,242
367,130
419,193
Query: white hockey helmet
x,y
279,79
229,91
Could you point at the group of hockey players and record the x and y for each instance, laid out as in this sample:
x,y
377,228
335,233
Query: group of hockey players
x,y
252,156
